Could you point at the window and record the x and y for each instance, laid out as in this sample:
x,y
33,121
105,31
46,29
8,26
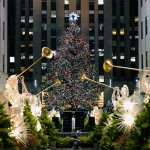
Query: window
x,y
100,2
141,3
122,31
142,61
44,6
78,4
66,7
3,3
53,14
12,59
22,19
146,58
133,59
91,18
67,13
53,5
44,26
146,25
66,2
141,30
3,30
114,31
30,19
91,5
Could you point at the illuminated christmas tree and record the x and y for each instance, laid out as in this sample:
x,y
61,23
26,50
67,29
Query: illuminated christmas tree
x,y
72,60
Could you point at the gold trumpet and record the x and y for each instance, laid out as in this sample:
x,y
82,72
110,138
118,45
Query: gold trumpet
x,y
46,52
84,77
108,66
57,82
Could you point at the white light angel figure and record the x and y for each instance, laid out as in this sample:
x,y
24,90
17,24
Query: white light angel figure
x,y
12,95
97,113
116,96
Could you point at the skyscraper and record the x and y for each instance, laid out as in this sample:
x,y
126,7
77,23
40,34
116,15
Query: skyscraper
x,y
121,41
144,33
3,43
108,26
3,36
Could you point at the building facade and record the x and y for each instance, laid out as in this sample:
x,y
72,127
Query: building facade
x,y
121,41
3,36
108,26
3,44
144,33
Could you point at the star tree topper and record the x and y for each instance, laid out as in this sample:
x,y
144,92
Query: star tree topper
x,y
73,16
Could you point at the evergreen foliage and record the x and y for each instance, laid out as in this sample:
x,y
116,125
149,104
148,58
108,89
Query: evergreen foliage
x,y
141,134
29,119
48,131
30,122
6,142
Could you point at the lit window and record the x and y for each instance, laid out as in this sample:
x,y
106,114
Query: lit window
x,y
91,37
12,59
30,19
100,2
114,57
31,70
30,33
132,48
78,11
22,19
113,31
53,14
101,78
136,19
44,64
30,56
66,2
133,59
22,45
22,55
122,31
101,54
43,78
22,68
30,45
122,56
44,12
66,13
91,12
23,31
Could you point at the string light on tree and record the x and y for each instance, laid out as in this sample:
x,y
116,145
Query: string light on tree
x,y
71,61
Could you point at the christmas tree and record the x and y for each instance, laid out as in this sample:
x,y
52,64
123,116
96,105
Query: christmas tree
x,y
6,142
72,60
31,123
47,134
